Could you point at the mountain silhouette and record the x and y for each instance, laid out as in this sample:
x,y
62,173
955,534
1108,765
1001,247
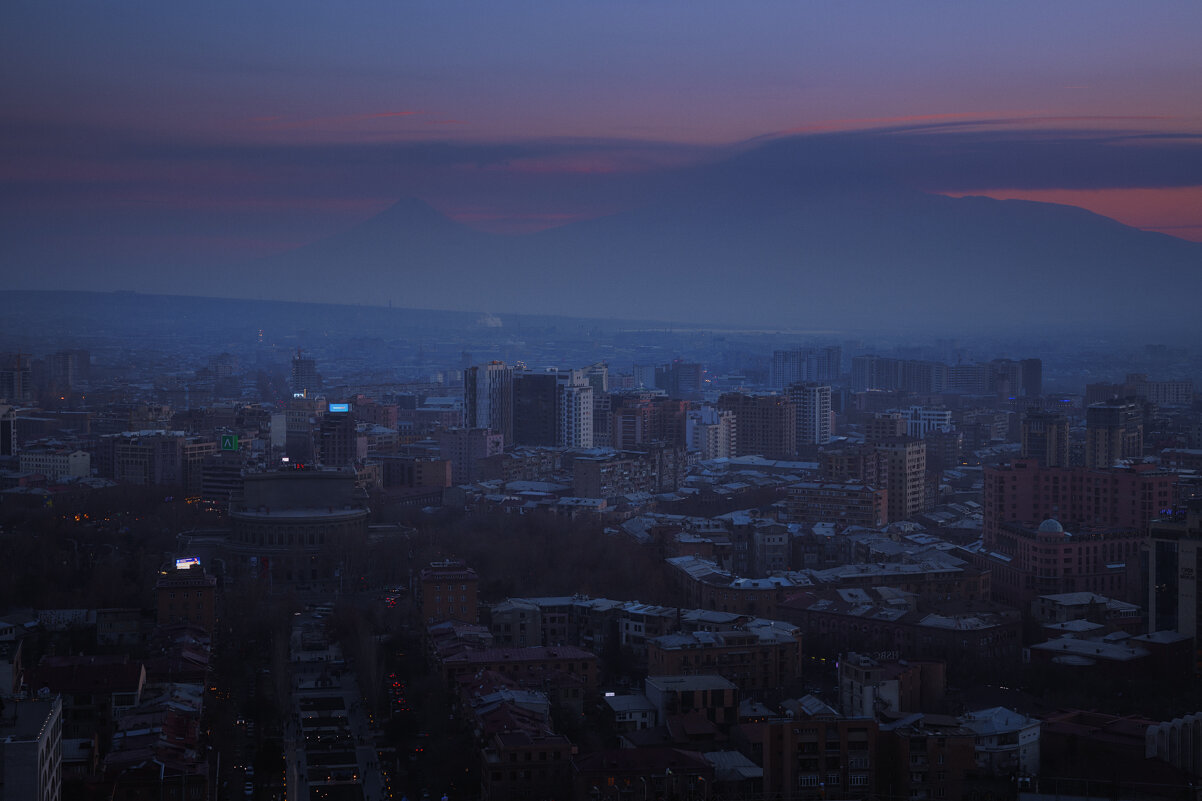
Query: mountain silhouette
x,y
749,246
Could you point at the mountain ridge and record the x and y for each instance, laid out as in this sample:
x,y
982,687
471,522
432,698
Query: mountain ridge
x,y
848,257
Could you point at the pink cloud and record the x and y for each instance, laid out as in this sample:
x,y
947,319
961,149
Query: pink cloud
x,y
984,118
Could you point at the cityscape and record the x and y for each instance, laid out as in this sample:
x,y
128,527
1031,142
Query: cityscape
x,y
600,402
262,549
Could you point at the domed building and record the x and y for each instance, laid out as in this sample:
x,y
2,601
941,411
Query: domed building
x,y
298,526
1030,562
1050,530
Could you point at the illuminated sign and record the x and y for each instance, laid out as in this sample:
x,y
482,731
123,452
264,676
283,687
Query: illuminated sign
x,y
229,442
340,407
187,563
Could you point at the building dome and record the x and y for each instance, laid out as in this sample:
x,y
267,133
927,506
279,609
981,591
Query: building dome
x,y
1050,529
1051,526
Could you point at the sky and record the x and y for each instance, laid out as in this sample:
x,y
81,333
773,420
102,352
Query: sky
x,y
181,132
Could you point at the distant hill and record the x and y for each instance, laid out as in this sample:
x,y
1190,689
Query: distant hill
x,y
75,318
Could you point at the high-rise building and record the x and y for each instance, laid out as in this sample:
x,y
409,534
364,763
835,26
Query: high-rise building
x,y
598,377
712,433
907,467
644,376
923,377
1174,572
970,379
1114,430
680,379
643,416
305,380
301,421
553,408
806,365
857,463
1045,438
8,430
1161,393
534,409
1006,378
812,403
574,424
884,426
338,440
945,449
64,370
602,419
16,378
875,372
1032,374
488,398
766,425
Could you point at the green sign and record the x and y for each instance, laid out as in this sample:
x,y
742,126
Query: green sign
x,y
229,442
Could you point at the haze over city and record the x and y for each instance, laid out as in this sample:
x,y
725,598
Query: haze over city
x,y
686,401
156,148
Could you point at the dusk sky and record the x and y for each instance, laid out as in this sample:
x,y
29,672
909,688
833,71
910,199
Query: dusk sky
x,y
232,129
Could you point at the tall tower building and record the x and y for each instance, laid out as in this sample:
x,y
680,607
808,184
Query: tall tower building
x,y
1174,570
553,408
305,380
875,372
488,398
598,377
812,403
884,426
301,421
806,365
680,379
8,430
765,425
574,427
1045,438
1032,372
1114,430
534,409
338,440
906,459
712,433
16,379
